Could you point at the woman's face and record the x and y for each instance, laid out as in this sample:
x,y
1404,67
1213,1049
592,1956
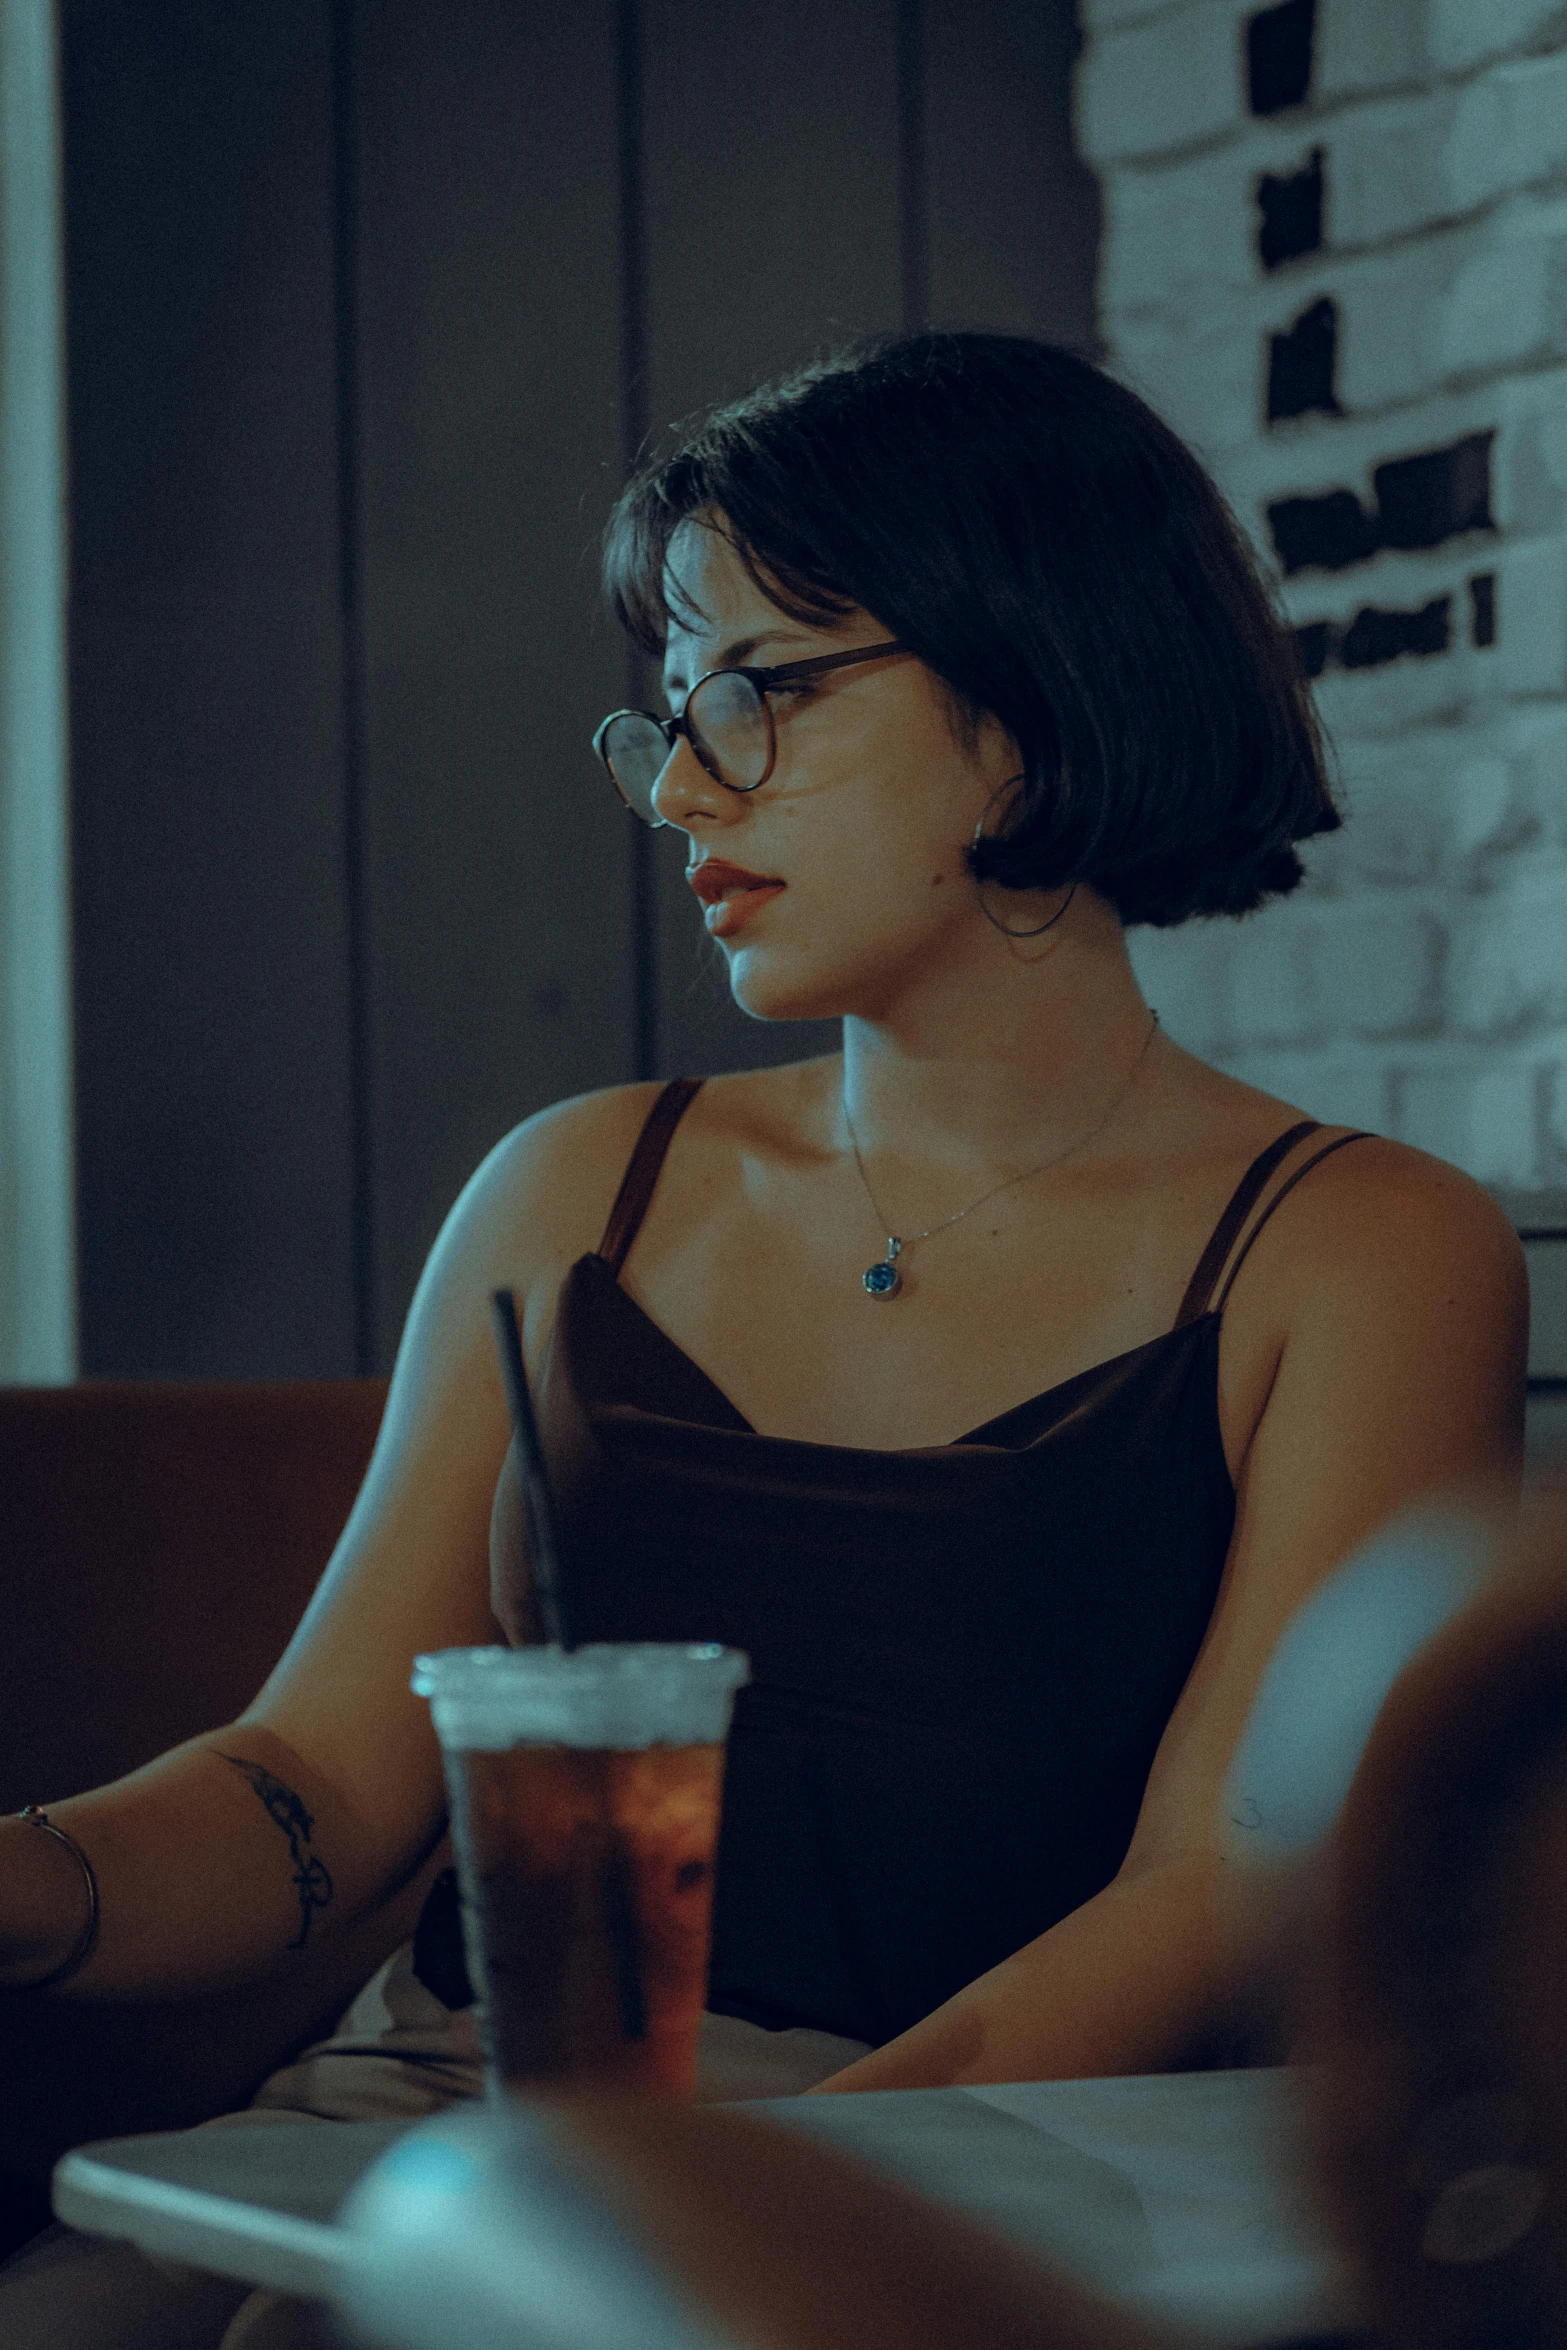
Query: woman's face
x,y
859,831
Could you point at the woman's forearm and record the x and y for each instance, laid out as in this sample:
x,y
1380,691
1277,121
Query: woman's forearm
x,y
212,1863
1126,1984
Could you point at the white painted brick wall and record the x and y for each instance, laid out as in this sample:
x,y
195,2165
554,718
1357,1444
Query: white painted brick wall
x,y
1102,14
1365,45
1369,45
1506,130
1440,154
1150,87
1509,972
1463,33
1418,982
1533,587
1476,1112
1432,314
1379,968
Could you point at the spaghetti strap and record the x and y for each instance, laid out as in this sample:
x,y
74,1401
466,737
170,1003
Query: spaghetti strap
x,y
1199,1290
1281,1195
640,1180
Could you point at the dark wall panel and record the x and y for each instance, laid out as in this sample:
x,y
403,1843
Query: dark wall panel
x,y
211,976
368,303
771,165
499,911
1012,211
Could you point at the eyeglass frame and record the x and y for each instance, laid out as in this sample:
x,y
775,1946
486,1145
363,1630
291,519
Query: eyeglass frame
x,y
675,729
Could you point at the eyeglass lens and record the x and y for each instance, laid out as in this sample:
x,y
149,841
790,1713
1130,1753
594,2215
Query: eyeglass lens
x,y
727,721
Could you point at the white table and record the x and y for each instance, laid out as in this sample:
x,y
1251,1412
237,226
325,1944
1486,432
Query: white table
x,y
1177,2191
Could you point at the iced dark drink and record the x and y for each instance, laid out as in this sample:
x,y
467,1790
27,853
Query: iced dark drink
x,y
585,1791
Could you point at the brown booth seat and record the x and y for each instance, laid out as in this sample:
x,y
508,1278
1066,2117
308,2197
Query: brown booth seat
x,y
158,1544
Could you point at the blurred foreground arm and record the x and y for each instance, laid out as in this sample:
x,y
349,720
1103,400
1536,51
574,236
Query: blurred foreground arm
x,y
791,2244
567,2225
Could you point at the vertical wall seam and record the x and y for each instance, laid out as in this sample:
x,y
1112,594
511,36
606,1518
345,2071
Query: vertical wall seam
x,y
356,873
39,1253
635,415
913,169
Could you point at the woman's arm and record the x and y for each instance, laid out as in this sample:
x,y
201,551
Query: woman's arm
x,y
311,1813
1373,1353
220,1857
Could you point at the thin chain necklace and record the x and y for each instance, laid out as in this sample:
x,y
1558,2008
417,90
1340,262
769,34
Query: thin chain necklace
x,y
884,1280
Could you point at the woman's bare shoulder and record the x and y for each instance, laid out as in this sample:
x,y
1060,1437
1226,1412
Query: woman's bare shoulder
x,y
1372,1245
1378,1212
541,1198
545,1191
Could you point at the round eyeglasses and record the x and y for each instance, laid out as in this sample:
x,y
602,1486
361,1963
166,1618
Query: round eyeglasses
x,y
728,721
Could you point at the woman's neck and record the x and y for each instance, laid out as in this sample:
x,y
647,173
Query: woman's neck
x,y
997,1064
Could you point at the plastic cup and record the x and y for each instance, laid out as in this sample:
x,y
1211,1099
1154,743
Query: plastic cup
x,y
585,1788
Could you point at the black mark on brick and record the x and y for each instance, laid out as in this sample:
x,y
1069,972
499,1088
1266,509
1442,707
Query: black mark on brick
x,y
1482,608
1423,500
1374,637
1301,364
1290,213
1278,55
1322,534
1420,502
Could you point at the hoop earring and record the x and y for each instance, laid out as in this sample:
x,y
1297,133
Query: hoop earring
x,y
1039,929
1005,928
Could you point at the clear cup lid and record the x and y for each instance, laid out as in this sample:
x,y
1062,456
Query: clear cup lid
x,y
639,1693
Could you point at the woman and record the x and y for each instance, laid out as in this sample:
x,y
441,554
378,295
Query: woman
x,y
940,1373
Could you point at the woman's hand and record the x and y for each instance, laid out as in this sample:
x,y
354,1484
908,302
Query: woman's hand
x,y
1130,1983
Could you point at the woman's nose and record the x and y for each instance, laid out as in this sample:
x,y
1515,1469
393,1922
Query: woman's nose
x,y
685,794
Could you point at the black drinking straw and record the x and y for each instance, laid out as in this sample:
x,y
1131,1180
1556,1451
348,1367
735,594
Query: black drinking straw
x,y
545,1549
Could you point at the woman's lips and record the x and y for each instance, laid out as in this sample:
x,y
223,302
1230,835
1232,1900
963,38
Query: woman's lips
x,y
729,894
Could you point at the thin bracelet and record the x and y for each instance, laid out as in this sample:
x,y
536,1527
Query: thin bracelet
x,y
87,1940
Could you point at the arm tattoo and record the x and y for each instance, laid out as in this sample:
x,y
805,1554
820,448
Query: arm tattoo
x,y
282,1806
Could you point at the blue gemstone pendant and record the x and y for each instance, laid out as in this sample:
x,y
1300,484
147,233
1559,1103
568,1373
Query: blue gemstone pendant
x,y
884,1280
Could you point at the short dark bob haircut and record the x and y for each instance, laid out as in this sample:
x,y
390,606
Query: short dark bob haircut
x,y
1060,560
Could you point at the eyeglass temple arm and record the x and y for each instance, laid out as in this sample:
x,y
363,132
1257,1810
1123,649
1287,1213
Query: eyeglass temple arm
x,y
783,669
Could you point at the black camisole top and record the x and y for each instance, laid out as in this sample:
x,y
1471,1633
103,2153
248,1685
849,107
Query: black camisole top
x,y
964,1655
